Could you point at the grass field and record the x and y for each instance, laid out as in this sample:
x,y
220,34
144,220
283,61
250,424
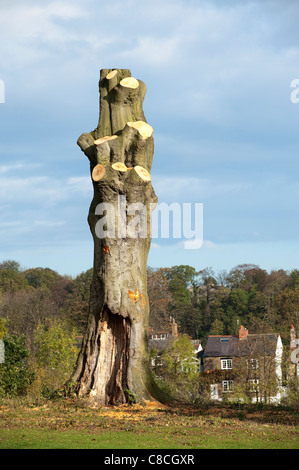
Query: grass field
x,y
71,425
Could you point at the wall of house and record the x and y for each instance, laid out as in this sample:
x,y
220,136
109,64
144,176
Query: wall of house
x,y
241,374
211,363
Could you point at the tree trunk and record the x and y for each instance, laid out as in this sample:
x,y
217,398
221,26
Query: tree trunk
x,y
113,364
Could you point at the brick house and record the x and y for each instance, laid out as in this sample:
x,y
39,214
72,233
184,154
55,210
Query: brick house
x,y
246,364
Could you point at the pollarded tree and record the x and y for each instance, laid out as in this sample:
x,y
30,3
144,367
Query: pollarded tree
x,y
113,364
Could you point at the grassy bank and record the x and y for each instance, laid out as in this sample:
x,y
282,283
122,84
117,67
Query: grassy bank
x,y
70,425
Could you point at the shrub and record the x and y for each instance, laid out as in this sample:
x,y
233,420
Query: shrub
x,y
15,373
178,377
55,356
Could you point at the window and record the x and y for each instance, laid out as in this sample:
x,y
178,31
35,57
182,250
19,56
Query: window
x,y
190,365
254,385
157,361
159,336
226,364
253,364
227,385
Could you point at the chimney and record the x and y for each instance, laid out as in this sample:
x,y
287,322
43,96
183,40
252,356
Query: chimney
x,y
243,332
174,328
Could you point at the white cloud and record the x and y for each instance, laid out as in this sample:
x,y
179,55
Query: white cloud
x,y
191,188
9,224
157,51
28,30
80,184
196,244
155,246
14,167
49,223
210,245
7,168
36,189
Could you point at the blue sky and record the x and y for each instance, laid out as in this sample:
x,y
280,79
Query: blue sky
x,y
218,76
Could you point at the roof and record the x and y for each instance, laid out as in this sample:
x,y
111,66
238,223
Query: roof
x,y
231,345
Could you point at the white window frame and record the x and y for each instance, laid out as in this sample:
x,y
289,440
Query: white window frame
x,y
226,364
253,364
227,386
254,385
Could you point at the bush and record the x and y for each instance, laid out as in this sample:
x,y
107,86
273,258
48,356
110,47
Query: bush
x,y
15,373
292,398
178,376
55,356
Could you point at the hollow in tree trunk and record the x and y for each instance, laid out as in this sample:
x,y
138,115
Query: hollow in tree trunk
x,y
113,364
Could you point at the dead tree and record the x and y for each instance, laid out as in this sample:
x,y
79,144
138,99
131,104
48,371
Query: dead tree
x,y
113,364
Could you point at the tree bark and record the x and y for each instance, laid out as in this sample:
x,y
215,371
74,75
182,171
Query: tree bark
x,y
113,364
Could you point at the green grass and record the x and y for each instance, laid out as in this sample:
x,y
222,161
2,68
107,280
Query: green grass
x,y
38,439
69,426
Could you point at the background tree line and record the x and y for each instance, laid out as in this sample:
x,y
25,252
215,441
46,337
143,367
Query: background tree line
x,y
45,313
204,303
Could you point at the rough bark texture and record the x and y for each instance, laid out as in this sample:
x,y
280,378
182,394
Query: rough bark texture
x,y
113,363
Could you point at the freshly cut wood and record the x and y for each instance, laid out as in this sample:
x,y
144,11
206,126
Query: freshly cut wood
x,y
98,172
142,172
129,82
111,74
118,166
144,129
104,139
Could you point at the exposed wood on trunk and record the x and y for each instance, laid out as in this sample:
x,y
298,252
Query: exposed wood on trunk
x,y
98,172
111,75
104,139
129,82
142,172
119,166
144,129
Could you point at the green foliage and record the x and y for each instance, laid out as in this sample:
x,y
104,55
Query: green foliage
x,y
55,345
55,355
217,327
41,277
76,304
10,265
292,398
294,277
41,305
12,280
15,373
3,328
131,396
179,371
179,280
